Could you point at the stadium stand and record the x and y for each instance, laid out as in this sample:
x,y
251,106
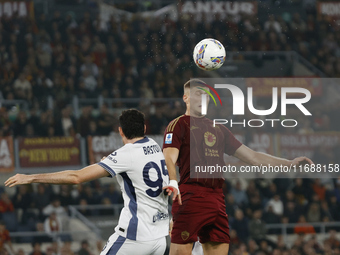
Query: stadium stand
x,y
47,62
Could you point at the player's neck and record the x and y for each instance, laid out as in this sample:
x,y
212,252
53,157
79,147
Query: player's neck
x,y
133,140
193,114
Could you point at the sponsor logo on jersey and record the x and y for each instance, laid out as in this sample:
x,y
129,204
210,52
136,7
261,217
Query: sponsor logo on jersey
x,y
185,235
193,127
160,216
151,149
209,138
168,138
112,159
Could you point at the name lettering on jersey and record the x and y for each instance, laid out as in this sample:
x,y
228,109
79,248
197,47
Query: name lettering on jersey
x,y
168,138
114,154
151,149
211,153
112,159
160,216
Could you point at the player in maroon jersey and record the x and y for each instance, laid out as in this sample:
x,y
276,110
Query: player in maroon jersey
x,y
199,208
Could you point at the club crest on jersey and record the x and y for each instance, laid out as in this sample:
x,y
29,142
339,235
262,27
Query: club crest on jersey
x,y
210,139
185,235
168,138
112,159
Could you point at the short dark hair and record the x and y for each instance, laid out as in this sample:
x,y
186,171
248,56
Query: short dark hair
x,y
132,123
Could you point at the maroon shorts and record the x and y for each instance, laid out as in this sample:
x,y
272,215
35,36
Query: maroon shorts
x,y
202,214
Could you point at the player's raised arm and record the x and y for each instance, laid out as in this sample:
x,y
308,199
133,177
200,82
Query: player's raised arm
x,y
255,158
85,174
171,156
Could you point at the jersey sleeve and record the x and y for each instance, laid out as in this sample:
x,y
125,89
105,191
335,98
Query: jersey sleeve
x,y
117,162
231,143
173,136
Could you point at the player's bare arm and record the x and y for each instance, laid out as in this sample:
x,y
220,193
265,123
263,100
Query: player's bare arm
x,y
171,156
255,158
85,174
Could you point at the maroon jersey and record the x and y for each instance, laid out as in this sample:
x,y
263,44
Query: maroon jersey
x,y
207,147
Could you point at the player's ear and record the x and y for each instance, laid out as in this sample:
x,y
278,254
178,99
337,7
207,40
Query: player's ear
x,y
185,98
144,129
121,132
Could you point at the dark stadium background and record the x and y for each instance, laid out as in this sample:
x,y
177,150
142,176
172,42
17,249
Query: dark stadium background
x,y
68,68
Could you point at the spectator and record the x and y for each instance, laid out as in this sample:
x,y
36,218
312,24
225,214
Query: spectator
x,y
254,204
66,249
83,207
303,227
42,237
88,83
240,224
157,121
239,195
53,224
20,124
89,67
22,198
292,212
6,204
37,249
302,193
83,122
22,87
231,207
55,207
272,25
66,124
337,190
334,208
85,248
319,189
257,227
297,25
105,121
276,205
314,213
113,194
41,198
332,240
4,237
270,217
93,128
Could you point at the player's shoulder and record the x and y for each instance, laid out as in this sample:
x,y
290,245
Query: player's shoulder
x,y
176,122
122,151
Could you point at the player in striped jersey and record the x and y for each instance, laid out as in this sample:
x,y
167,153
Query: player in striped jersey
x,y
141,172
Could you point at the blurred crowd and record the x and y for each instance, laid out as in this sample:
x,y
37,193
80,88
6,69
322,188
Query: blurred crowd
x,y
251,207
63,56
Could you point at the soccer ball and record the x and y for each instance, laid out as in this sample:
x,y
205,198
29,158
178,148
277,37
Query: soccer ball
x,y
209,54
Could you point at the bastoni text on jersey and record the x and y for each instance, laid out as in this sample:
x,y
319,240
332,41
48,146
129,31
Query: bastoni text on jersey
x,y
152,149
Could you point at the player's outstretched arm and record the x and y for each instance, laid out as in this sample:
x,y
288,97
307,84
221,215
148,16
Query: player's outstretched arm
x,y
255,158
171,156
85,174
